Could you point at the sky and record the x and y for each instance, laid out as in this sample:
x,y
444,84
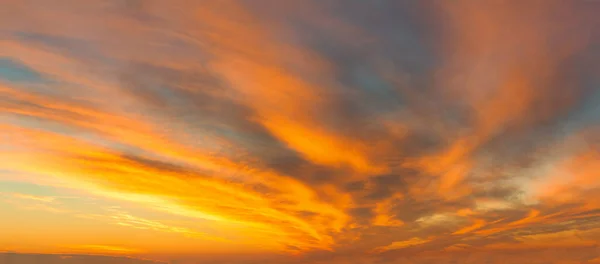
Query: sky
x,y
301,132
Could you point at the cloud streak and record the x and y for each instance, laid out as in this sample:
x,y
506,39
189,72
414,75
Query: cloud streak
x,y
329,132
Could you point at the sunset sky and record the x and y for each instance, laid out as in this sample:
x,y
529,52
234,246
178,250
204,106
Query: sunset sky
x,y
301,132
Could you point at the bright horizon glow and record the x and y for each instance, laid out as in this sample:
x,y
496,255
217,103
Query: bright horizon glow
x,y
305,132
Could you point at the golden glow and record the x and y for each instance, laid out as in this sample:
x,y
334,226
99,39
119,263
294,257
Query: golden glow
x,y
300,130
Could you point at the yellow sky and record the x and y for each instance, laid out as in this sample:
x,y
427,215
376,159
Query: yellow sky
x,y
301,131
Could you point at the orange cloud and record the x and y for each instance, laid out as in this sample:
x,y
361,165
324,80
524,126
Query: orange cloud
x,y
403,244
319,129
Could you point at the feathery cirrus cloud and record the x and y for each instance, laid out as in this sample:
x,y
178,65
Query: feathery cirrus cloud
x,y
380,132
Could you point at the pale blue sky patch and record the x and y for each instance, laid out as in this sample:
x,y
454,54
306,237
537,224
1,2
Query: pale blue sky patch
x,y
14,71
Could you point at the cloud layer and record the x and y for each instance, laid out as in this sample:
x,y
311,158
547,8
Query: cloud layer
x,y
330,132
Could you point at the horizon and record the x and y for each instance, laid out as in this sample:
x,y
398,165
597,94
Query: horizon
x,y
300,132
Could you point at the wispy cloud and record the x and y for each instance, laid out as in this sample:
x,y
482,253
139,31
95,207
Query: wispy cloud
x,y
340,131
